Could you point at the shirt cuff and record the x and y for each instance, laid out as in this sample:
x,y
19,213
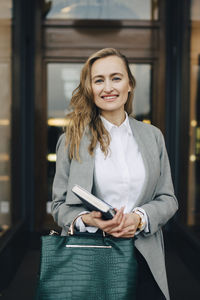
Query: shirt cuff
x,y
80,226
144,218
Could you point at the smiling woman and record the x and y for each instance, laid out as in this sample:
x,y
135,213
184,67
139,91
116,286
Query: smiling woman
x,y
121,161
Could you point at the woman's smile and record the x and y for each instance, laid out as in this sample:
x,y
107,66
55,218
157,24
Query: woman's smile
x,y
109,97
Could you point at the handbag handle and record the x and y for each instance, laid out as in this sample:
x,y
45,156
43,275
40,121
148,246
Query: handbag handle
x,y
71,228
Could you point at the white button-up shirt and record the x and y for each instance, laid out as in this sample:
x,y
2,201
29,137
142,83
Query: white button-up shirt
x,y
118,177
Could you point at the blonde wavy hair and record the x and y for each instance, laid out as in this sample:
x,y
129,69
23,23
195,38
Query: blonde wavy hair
x,y
85,114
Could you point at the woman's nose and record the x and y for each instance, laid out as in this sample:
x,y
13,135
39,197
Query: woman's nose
x,y
108,86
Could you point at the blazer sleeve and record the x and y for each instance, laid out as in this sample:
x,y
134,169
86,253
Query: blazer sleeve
x,y
163,204
62,213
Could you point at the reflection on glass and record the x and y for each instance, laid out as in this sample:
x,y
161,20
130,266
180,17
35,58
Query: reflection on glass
x,y
6,9
62,79
194,146
5,104
103,9
195,10
142,95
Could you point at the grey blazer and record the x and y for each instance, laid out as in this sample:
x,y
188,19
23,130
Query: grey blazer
x,y
157,197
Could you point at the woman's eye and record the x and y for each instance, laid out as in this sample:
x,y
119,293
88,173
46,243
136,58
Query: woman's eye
x,y
99,81
116,78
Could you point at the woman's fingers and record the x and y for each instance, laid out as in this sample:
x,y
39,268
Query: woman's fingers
x,y
123,235
116,221
96,214
128,226
127,232
90,218
109,224
120,227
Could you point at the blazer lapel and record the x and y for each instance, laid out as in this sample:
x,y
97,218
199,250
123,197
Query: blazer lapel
x,y
143,145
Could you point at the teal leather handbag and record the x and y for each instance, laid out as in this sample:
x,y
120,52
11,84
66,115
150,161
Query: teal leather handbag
x,y
85,266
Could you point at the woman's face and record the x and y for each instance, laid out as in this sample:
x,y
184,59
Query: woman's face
x,y
110,84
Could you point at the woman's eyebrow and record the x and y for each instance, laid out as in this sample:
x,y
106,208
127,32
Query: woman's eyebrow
x,y
112,74
97,76
117,73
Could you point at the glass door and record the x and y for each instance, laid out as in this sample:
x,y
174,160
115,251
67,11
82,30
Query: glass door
x,y
5,114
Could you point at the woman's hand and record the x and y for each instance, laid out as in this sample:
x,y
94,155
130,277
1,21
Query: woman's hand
x,y
131,222
122,225
95,219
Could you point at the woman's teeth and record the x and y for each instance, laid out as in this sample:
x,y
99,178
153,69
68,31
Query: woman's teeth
x,y
109,97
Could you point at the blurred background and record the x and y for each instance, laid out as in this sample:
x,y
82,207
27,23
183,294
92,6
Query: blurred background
x,y
43,45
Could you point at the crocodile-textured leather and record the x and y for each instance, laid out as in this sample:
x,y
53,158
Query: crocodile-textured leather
x,y
87,273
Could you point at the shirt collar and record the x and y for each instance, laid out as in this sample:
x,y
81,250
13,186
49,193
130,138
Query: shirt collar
x,y
109,126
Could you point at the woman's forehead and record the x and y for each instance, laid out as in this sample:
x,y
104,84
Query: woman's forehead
x,y
108,65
